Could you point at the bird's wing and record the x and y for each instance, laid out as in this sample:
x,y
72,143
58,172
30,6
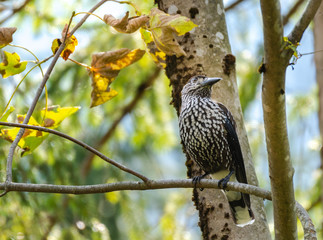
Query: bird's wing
x,y
235,149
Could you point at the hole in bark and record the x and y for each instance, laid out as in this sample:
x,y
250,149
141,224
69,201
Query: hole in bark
x,y
193,11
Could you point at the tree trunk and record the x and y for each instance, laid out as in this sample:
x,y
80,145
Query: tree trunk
x,y
208,52
318,57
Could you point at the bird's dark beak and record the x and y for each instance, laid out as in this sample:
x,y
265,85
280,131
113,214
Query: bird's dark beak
x,y
210,81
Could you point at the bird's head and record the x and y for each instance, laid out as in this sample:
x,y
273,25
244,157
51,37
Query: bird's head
x,y
199,85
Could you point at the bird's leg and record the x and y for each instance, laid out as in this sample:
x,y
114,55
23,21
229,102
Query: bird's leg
x,y
224,181
197,179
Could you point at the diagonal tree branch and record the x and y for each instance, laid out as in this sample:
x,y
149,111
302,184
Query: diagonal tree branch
x,y
86,166
82,144
233,5
308,15
32,107
14,11
39,92
291,11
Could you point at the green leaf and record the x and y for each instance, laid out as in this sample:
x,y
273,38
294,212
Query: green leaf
x,y
11,65
5,116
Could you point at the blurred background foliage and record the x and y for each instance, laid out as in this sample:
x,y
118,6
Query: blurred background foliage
x,y
146,139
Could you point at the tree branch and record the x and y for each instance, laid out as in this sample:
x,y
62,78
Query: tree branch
x,y
233,5
274,110
86,166
308,226
82,144
309,229
129,185
308,15
292,11
14,11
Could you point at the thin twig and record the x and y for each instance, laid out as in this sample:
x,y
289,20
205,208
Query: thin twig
x,y
82,144
292,11
233,5
14,11
31,110
86,166
308,15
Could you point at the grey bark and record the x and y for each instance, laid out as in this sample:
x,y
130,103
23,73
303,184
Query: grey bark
x,y
208,52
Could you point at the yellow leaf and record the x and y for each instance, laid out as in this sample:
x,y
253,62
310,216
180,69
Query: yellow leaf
x,y
70,44
11,65
158,56
101,92
31,138
56,114
126,24
6,35
165,28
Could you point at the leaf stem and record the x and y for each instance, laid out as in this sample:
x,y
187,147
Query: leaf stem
x,y
78,63
89,14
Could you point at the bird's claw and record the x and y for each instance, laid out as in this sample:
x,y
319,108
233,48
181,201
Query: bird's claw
x,y
197,179
223,182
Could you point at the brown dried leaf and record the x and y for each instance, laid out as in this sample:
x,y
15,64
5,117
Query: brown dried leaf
x,y
6,35
126,24
110,63
105,67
